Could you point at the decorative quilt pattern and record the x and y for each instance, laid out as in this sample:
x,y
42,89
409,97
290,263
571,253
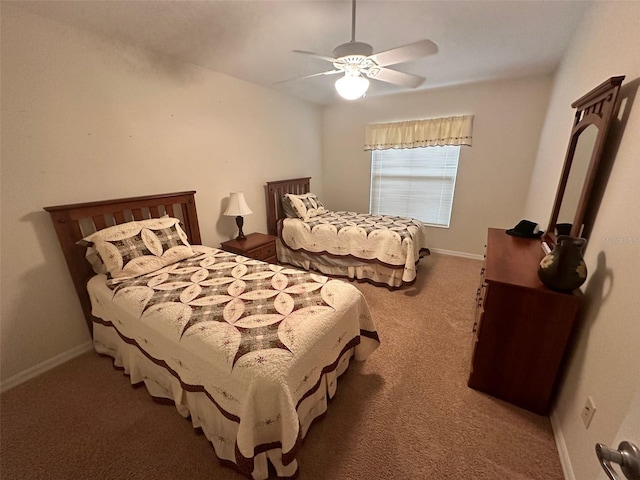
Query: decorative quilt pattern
x,y
341,221
216,286
139,247
305,206
392,241
257,338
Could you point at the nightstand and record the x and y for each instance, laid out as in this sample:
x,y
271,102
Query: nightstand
x,y
257,245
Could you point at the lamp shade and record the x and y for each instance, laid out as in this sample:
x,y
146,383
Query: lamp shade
x,y
352,86
237,205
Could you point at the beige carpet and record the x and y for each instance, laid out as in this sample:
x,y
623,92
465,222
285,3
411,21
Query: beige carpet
x,y
405,413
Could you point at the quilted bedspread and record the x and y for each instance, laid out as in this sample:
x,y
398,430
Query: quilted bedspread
x,y
260,342
392,241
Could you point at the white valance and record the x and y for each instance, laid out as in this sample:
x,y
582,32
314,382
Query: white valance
x,y
420,133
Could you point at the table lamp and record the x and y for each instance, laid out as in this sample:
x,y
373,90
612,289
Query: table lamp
x,y
237,208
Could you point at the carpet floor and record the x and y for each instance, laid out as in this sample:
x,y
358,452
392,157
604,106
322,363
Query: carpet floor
x,y
405,413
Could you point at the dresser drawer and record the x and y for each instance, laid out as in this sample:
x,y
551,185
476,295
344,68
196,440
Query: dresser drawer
x,y
266,253
256,245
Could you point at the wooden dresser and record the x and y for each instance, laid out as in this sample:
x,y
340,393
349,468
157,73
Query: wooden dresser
x,y
521,327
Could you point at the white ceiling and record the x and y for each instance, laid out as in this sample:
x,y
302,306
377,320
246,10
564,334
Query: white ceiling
x,y
253,39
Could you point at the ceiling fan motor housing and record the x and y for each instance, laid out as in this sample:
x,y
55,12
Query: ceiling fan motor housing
x,y
352,49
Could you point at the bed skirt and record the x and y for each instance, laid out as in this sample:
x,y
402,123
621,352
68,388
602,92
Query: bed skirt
x,y
219,427
352,268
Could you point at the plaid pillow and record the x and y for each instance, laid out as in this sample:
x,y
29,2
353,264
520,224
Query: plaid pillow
x,y
140,247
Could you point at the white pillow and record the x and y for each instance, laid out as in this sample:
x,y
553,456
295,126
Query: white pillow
x,y
306,205
139,247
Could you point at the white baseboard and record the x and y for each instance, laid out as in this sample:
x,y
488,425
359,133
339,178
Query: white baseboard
x,y
45,366
457,254
565,461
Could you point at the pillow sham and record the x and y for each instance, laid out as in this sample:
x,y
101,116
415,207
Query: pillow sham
x,y
93,257
287,207
306,205
141,246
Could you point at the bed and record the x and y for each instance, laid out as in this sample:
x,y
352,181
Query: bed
x,y
380,249
250,351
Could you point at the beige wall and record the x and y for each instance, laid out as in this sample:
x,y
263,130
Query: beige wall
x,y
605,360
87,119
493,174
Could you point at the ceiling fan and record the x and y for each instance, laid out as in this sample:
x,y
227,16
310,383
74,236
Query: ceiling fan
x,y
357,61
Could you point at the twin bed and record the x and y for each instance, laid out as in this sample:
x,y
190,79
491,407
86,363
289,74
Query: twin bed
x,y
380,249
248,350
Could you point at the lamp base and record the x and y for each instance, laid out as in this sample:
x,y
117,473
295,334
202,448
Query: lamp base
x,y
240,224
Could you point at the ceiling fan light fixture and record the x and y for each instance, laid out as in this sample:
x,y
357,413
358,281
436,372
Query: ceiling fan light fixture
x,y
358,62
351,87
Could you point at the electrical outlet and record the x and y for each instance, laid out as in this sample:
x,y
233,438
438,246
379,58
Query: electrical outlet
x,y
587,412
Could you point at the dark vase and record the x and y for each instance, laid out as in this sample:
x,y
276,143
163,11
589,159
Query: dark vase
x,y
563,269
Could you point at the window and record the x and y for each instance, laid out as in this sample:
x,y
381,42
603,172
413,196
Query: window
x,y
414,182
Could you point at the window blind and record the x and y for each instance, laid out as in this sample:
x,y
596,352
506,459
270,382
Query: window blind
x,y
415,182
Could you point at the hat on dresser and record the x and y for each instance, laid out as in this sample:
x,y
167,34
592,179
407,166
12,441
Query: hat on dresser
x,y
526,229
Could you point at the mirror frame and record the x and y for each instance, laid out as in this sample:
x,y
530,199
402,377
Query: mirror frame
x,y
594,108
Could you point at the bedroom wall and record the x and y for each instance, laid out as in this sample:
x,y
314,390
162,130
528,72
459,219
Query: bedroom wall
x,y
493,174
85,118
605,358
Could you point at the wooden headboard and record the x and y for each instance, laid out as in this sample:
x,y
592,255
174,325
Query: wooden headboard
x,y
74,222
275,191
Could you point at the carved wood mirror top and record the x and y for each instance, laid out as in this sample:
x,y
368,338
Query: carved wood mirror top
x,y
591,123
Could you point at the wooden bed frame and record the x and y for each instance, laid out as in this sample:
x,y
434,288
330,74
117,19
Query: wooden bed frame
x,y
74,222
275,191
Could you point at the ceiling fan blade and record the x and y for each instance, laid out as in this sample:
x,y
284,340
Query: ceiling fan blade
x,y
321,57
405,53
399,78
330,72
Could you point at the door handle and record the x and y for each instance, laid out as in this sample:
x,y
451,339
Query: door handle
x,y
627,456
